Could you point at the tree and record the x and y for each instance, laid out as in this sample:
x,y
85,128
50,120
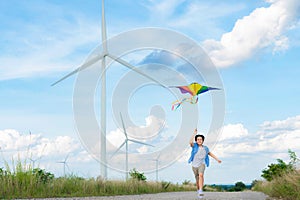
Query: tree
x,y
239,186
277,170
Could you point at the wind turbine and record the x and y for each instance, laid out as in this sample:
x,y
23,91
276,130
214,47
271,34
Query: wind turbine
x,y
102,56
38,158
65,164
34,160
126,145
156,165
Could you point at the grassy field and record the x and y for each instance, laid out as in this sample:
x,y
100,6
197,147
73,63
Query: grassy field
x,y
24,182
21,181
285,187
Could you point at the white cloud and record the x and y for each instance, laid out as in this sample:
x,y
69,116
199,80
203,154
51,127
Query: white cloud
x,y
233,131
149,130
291,123
236,142
274,138
264,27
145,132
83,157
34,146
148,133
116,138
143,149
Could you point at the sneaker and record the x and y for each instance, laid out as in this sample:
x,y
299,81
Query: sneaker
x,y
200,195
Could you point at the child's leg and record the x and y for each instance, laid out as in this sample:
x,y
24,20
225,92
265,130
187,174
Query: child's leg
x,y
201,170
201,181
195,171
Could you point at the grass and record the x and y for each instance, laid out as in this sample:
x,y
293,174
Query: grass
x,y
286,187
24,182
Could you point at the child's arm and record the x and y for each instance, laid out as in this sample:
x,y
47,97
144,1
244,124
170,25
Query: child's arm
x,y
215,157
193,138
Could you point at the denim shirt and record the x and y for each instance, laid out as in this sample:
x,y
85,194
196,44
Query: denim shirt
x,y
195,150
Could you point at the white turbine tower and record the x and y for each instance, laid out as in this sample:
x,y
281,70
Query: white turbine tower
x,y
102,56
126,145
65,164
156,166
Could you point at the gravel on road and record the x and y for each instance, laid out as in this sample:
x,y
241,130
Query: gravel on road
x,y
246,195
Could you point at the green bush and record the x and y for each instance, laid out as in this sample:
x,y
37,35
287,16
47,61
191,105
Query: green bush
x,y
42,175
275,170
282,179
134,174
285,187
239,186
280,168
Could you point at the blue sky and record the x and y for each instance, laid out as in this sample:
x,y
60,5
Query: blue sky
x,y
254,45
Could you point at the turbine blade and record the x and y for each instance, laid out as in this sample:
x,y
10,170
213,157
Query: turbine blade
x,y
67,166
82,67
103,30
118,149
126,64
158,156
123,126
135,141
66,157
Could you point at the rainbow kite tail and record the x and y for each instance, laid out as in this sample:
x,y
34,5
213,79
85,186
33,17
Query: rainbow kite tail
x,y
178,103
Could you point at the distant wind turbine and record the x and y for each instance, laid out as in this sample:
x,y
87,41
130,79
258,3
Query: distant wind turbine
x,y
65,164
38,158
156,165
102,56
34,160
126,145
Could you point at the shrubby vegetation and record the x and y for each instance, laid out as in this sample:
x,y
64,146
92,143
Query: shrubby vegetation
x,y
280,168
25,182
282,179
135,175
237,187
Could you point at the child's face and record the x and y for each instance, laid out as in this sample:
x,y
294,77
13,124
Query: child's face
x,y
199,141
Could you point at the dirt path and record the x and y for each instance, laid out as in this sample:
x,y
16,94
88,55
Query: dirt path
x,y
181,195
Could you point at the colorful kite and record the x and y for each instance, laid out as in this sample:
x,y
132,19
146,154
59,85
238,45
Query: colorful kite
x,y
194,89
